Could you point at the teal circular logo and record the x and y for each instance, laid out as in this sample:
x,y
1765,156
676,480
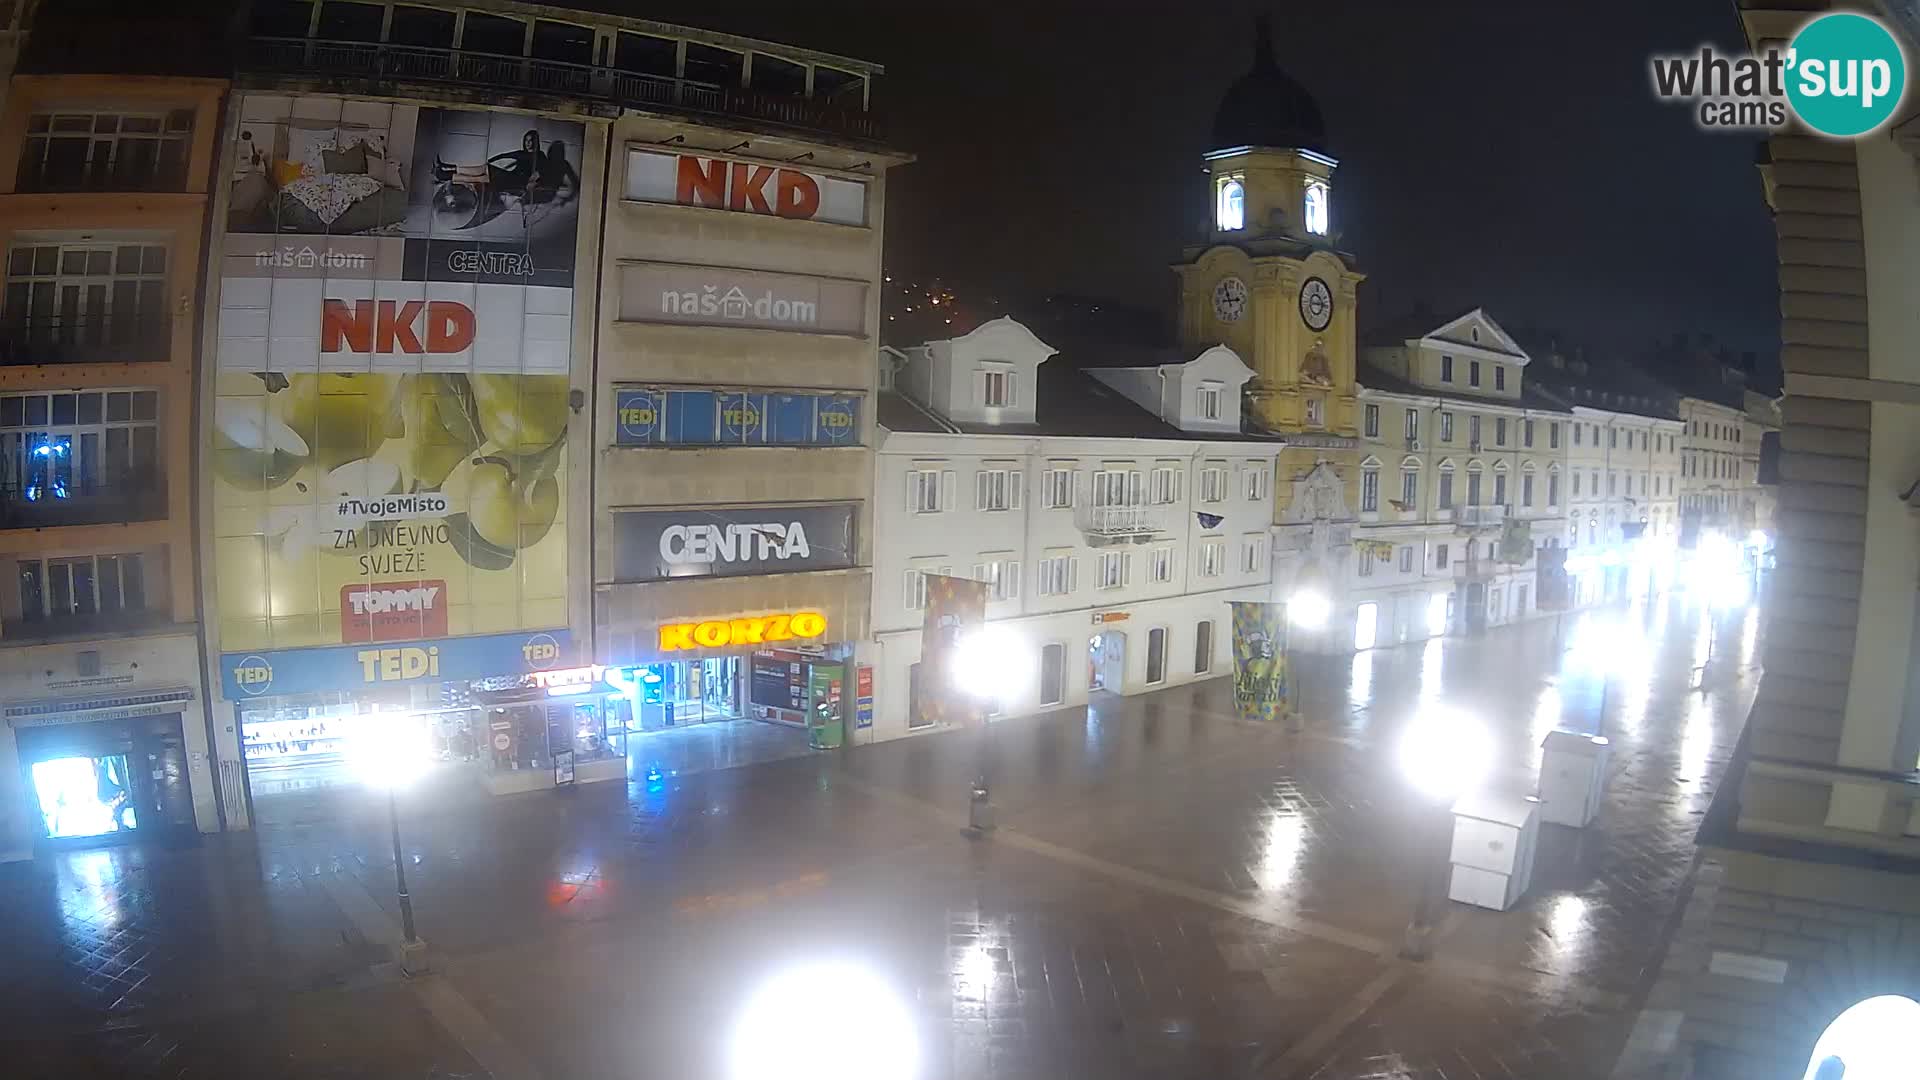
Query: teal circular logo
x,y
1845,74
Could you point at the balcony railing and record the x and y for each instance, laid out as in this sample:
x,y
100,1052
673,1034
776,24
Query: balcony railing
x,y
380,62
1480,517
1119,521
133,339
138,495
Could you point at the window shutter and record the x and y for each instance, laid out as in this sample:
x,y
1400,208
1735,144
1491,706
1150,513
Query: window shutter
x,y
910,589
1012,586
979,571
980,387
1073,574
948,490
1013,389
982,488
1016,488
1135,486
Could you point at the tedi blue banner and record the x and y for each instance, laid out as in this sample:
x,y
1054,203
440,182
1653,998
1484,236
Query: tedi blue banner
x,y
355,667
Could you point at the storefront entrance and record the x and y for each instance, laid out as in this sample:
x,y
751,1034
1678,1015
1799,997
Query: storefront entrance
x,y
1107,661
107,780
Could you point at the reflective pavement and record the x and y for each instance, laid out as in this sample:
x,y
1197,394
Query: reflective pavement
x,y
1173,892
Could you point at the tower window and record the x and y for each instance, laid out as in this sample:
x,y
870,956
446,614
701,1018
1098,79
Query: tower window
x,y
1231,214
1316,207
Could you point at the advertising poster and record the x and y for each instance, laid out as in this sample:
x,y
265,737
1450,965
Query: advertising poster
x,y
955,607
389,443
1262,684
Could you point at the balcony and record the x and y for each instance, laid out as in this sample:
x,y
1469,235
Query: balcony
x,y
1117,523
381,65
140,495
1480,517
138,339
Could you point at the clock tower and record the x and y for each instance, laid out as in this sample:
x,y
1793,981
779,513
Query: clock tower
x,y
1271,282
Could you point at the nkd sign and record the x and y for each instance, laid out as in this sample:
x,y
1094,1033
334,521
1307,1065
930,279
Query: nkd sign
x,y
745,187
653,545
717,296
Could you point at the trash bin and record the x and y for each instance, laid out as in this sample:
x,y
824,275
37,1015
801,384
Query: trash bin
x,y
1573,776
1493,840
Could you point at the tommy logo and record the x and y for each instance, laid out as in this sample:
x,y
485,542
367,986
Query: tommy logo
x,y
390,326
393,611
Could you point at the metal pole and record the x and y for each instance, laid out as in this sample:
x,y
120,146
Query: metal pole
x,y
400,870
1418,943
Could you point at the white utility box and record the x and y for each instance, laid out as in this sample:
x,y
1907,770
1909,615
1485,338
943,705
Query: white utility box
x,y
1573,777
1493,840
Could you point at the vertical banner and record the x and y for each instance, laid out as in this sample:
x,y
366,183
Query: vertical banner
x,y
1262,685
955,608
389,443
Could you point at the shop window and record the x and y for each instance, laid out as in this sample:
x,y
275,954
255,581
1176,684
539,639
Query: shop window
x,y
426,28
1203,647
1053,673
1156,655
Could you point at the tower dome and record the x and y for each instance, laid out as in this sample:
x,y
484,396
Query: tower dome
x,y
1266,107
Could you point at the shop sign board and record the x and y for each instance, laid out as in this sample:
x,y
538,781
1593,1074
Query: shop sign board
x,y
358,667
390,415
744,187
751,630
654,545
689,295
775,682
650,416
863,696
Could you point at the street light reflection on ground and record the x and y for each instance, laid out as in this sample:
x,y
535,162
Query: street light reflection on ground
x,y
1874,1039
786,1030
1444,753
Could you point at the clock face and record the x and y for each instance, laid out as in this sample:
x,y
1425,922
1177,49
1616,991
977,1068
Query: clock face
x,y
1316,304
1230,299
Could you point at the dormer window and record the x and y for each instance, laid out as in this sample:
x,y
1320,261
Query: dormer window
x,y
1208,403
1231,211
1316,208
996,388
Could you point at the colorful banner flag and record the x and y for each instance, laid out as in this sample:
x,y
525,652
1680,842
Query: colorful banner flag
x,y
955,608
1262,681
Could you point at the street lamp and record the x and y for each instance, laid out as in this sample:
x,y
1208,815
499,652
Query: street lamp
x,y
987,661
389,751
1309,609
1443,754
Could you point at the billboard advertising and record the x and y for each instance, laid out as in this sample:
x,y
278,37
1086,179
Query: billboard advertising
x,y
1262,683
719,296
388,453
647,416
956,607
654,545
744,187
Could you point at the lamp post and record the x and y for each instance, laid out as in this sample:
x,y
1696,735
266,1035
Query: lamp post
x,y
988,661
389,751
1308,609
1443,754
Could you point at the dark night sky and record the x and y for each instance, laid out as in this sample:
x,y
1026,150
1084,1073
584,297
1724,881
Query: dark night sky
x,y
1505,153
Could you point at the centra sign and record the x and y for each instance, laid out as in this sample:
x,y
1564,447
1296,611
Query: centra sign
x,y
755,630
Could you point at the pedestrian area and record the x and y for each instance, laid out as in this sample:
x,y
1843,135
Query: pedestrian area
x,y
1172,892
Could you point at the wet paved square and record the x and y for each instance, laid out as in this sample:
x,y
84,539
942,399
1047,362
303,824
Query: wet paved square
x,y
1173,893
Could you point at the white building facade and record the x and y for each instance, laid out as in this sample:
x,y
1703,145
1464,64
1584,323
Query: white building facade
x,y
1112,532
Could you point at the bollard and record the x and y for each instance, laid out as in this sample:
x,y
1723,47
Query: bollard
x,y
980,807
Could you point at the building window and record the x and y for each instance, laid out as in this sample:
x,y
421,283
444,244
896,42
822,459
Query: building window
x,y
1160,565
1526,434
1499,431
1613,438
1363,564
1473,431
1576,434
1372,415
1156,655
1406,559
1369,490
69,446
1446,427
77,588
1164,485
1611,478
1117,487
1576,483
1002,577
1213,558
1553,489
1316,412
1056,489
1473,487
1499,377
1440,556
915,587
997,489
1446,368
1253,552
1410,488
1256,482
1553,436
1499,489
1446,489
84,296
106,151
1056,575
1113,569
1203,647
1526,489
929,490
996,388
1213,484
1413,427
1316,209
1473,373
1209,401
1231,211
